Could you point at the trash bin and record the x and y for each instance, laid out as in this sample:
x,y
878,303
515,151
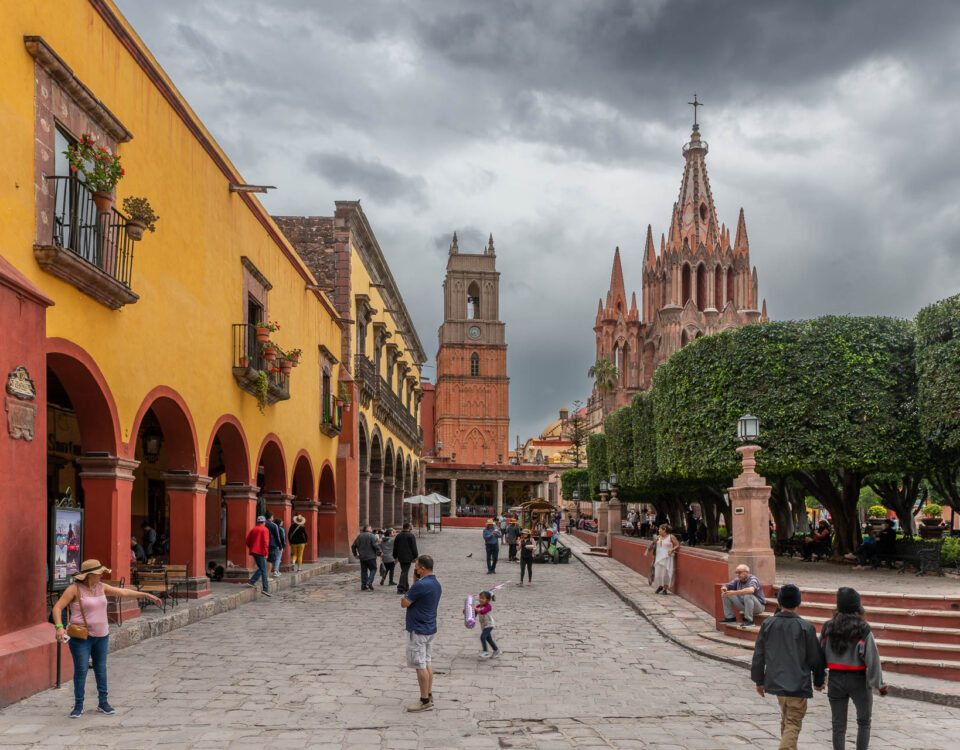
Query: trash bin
x,y
563,555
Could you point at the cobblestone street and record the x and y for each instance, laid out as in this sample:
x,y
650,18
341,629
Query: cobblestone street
x,y
321,666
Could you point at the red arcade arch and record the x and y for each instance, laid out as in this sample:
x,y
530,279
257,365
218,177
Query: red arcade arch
x,y
303,477
233,442
271,459
179,432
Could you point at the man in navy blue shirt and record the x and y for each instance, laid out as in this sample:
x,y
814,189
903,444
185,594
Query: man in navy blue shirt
x,y
421,602
491,540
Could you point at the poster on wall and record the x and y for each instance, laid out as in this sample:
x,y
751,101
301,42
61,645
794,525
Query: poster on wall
x,y
66,546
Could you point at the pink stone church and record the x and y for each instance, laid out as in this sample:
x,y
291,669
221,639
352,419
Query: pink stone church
x,y
699,283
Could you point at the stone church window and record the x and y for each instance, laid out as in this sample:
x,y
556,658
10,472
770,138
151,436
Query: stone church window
x,y
473,300
474,364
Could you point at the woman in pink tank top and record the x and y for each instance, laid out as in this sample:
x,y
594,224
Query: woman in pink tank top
x,y
87,599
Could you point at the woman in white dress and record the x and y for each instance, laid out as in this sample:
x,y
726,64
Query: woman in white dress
x,y
664,565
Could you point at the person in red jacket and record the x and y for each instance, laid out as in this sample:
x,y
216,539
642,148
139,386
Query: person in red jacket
x,y
258,542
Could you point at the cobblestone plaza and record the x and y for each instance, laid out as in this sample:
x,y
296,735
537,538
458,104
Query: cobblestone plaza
x,y
321,666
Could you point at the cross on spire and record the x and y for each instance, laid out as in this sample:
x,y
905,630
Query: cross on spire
x,y
695,104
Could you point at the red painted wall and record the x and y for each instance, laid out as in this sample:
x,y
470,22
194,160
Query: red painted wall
x,y
465,523
27,649
698,570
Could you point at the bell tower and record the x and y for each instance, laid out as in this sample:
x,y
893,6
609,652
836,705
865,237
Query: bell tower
x,y
473,400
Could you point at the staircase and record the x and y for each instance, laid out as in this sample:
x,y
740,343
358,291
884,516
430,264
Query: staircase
x,y
915,634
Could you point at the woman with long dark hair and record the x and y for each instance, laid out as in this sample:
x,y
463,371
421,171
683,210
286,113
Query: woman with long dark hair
x,y
851,656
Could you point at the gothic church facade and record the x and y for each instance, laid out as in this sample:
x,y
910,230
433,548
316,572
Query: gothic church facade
x,y
699,283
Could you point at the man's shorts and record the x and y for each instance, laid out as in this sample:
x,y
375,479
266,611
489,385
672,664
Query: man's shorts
x,y
419,650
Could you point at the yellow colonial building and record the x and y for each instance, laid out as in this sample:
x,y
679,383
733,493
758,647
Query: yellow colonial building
x,y
384,354
138,388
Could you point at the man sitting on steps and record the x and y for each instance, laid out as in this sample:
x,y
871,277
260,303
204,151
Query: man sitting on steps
x,y
743,593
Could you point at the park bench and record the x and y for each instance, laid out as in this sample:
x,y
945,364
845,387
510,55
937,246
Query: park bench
x,y
791,546
922,555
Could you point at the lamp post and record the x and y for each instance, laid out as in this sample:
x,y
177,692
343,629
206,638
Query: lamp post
x,y
614,509
603,528
749,500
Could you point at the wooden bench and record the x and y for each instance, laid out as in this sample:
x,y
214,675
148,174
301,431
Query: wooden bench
x,y
792,546
922,555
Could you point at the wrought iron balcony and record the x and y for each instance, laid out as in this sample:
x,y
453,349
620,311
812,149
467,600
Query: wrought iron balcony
x,y
391,411
88,249
365,373
249,362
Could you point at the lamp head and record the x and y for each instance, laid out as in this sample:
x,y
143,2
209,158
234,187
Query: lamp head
x,y
748,428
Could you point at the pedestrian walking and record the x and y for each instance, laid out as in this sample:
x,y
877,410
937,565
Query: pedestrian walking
x,y
405,552
258,542
491,540
511,535
784,657
421,603
89,642
744,594
692,524
298,541
387,560
366,548
851,655
526,546
664,568
485,620
276,545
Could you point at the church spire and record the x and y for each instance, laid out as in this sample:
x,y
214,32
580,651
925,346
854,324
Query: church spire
x,y
741,245
490,250
695,213
650,254
454,249
618,292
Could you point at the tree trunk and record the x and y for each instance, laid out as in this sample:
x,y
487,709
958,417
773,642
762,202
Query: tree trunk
x,y
901,495
945,478
710,500
839,493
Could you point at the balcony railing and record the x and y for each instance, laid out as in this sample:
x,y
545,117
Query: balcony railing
x,y
86,248
404,421
365,373
248,362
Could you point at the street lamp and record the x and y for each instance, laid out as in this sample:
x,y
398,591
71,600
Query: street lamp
x,y
604,486
748,428
613,481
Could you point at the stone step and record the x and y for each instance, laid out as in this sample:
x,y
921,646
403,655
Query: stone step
x,y
884,599
896,631
894,615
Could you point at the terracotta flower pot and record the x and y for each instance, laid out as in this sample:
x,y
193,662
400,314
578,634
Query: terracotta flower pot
x,y
263,335
295,361
244,361
269,353
285,366
103,200
135,229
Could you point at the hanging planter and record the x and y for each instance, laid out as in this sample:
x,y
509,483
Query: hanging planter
x,y
286,366
294,356
244,361
269,352
103,201
265,329
141,217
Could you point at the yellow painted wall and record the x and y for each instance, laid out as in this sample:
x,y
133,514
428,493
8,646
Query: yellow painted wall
x,y
360,281
188,274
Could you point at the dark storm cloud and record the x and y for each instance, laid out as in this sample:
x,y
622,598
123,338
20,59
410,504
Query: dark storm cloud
x,y
557,126
370,177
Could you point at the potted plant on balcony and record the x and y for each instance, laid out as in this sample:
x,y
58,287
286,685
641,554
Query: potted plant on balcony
x,y
286,364
343,395
140,217
101,170
269,352
261,389
265,329
244,360
294,356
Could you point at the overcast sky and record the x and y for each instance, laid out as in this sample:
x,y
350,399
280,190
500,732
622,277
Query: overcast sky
x,y
557,126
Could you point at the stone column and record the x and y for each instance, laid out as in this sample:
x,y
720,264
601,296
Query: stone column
x,y
749,498
241,500
603,527
398,496
453,497
364,497
376,501
107,487
188,520
386,513
281,505
308,509
327,531
499,498
614,516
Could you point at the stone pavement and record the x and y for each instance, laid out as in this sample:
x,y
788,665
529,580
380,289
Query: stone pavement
x,y
321,666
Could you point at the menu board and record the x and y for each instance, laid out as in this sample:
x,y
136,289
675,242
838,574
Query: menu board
x,y
66,541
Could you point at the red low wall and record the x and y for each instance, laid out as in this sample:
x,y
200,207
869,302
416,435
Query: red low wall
x,y
465,523
699,571
590,537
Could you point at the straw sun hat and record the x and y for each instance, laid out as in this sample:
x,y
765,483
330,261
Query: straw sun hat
x,y
298,519
88,567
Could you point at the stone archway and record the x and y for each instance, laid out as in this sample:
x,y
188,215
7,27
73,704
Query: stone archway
x,y
332,521
231,501
305,502
375,501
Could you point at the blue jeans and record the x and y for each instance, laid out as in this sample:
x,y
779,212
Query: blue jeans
x,y
275,557
493,553
82,652
260,572
368,571
485,639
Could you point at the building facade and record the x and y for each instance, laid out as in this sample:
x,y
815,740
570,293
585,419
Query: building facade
x,y
381,349
697,284
136,387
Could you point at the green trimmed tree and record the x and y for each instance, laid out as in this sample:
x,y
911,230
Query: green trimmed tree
x,y
571,479
597,461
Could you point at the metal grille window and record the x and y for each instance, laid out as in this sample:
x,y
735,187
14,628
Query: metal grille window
x,y
474,365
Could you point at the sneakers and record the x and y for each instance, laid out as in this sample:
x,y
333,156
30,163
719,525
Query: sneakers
x,y
659,589
746,624
496,654
484,654
106,708
77,712
250,585
728,621
266,593
421,706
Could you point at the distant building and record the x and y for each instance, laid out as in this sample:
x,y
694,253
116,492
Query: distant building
x,y
699,283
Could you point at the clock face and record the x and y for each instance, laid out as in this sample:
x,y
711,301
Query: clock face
x,y
474,332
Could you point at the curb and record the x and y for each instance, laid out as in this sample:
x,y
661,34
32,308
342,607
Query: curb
x,y
140,629
917,694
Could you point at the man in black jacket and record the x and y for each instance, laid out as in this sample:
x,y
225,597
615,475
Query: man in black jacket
x,y
786,653
405,552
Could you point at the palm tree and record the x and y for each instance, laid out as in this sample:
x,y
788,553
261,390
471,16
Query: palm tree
x,y
605,376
